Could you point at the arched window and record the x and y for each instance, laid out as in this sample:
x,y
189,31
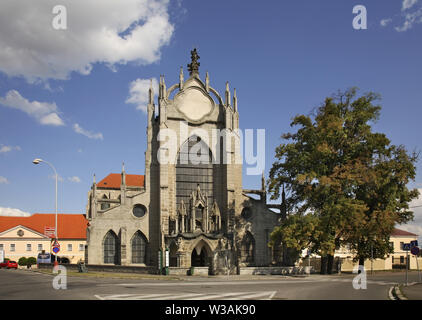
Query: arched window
x,y
191,171
139,248
105,205
248,248
111,246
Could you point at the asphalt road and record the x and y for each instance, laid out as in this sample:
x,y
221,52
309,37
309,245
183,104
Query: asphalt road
x,y
24,284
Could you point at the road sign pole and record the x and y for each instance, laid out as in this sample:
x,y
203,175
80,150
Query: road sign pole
x,y
407,264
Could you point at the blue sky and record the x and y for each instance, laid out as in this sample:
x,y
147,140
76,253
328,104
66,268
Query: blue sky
x,y
283,58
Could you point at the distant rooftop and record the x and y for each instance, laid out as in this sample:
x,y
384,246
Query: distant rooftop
x,y
114,180
69,226
399,232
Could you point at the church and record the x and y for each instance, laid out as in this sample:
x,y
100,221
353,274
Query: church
x,y
183,213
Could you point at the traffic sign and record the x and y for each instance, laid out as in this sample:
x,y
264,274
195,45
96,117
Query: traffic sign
x,y
56,246
406,246
414,251
414,243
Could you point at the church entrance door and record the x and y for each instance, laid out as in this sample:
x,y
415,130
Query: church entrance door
x,y
200,255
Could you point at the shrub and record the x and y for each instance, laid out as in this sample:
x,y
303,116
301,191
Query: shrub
x,y
31,261
22,261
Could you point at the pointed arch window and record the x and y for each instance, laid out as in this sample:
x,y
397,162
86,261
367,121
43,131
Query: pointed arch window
x,y
248,248
111,248
139,248
191,173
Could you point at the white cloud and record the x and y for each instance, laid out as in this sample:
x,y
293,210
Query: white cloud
x,y
385,22
113,33
410,19
78,129
13,212
74,179
45,113
5,149
139,92
407,4
3,180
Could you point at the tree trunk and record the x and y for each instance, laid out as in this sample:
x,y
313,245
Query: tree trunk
x,y
330,260
323,265
361,261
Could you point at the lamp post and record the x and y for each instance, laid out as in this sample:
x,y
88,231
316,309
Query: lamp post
x,y
38,161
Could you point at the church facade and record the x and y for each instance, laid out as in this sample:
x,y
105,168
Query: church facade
x,y
196,210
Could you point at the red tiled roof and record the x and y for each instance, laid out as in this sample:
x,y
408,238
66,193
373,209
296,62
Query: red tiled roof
x,y
398,232
69,226
114,180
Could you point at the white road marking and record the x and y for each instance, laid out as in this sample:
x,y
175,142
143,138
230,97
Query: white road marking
x,y
265,295
254,295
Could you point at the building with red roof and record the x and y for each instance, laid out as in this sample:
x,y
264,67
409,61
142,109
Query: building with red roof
x,y
29,236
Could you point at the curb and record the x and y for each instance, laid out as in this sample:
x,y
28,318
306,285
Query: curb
x,y
395,292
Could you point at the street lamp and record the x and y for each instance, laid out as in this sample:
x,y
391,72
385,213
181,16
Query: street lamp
x,y
38,161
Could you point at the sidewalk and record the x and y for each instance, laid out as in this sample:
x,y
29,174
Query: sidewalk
x,y
413,292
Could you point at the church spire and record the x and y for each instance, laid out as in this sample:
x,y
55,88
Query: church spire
x,y
123,174
227,94
207,82
283,208
151,93
181,78
193,67
234,100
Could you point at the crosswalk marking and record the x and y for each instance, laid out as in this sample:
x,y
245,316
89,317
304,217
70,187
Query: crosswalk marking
x,y
132,296
264,295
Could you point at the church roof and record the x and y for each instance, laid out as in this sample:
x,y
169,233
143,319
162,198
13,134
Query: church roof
x,y
69,226
114,180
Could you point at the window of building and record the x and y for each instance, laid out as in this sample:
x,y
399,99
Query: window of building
x,y
105,205
69,247
139,244
12,247
28,247
401,259
1,246
111,246
248,248
81,247
392,245
246,213
40,247
401,245
191,173
139,210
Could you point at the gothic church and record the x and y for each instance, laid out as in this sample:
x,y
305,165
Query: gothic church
x,y
199,213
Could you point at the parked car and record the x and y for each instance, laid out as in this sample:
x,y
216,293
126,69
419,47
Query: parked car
x,y
3,264
9,264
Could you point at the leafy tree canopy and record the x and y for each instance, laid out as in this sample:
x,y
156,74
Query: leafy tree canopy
x,y
346,184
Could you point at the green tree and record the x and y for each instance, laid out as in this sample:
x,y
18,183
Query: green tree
x,y
22,261
31,261
348,179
